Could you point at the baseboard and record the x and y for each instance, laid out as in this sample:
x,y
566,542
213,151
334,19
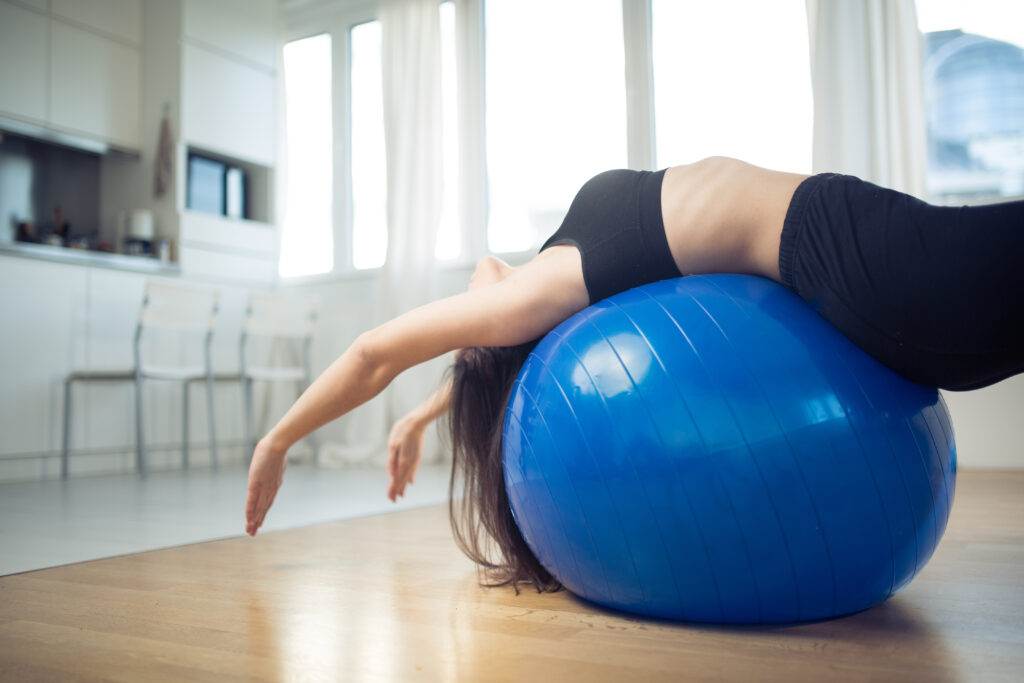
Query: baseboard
x,y
160,457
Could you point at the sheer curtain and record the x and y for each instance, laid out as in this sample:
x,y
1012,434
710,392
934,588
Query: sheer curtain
x,y
411,69
866,72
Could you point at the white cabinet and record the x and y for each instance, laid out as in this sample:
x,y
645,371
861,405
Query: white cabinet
x,y
227,249
76,69
22,62
228,106
94,85
41,5
43,313
118,18
245,28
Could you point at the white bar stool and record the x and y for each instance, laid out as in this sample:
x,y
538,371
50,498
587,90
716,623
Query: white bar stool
x,y
277,318
164,307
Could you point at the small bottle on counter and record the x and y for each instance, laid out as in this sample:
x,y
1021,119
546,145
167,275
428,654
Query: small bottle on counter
x,y
163,250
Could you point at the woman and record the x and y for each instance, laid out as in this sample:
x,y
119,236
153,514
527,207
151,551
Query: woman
x,y
932,292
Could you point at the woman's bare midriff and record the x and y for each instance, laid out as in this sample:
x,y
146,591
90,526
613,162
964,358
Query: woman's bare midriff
x,y
725,216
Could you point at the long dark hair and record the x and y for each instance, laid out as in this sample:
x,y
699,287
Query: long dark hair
x,y
481,518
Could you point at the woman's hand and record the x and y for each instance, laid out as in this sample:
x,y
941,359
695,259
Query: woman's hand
x,y
265,475
405,448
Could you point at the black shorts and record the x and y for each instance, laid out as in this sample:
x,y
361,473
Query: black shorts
x,y
935,293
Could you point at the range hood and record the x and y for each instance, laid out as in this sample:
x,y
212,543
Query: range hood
x,y
40,132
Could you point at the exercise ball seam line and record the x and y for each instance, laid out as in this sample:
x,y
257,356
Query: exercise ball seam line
x,y
846,418
757,467
796,461
936,499
657,431
636,471
950,446
906,490
604,405
892,542
746,441
938,418
525,522
729,496
604,481
590,533
561,521
951,436
942,469
689,505
949,471
931,495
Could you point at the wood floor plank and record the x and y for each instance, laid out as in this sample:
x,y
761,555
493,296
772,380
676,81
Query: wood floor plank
x,y
391,598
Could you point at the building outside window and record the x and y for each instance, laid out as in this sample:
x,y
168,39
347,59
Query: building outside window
x,y
974,99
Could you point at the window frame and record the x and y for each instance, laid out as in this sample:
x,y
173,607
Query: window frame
x,y
338,22
322,16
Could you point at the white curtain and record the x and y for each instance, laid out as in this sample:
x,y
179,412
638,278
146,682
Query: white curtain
x,y
469,65
411,69
866,72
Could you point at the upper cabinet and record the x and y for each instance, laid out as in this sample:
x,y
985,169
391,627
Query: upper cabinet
x,y
228,107
74,66
243,28
229,78
119,19
23,36
95,86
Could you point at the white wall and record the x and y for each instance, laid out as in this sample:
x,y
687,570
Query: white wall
x,y
987,425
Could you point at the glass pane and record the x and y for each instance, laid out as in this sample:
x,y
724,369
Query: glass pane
x,y
732,78
307,241
369,167
556,110
974,98
448,234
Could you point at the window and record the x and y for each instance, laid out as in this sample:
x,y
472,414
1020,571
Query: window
x,y
369,165
306,236
974,98
556,110
732,78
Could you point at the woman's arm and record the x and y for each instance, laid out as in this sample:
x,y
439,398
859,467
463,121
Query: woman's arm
x,y
523,306
405,443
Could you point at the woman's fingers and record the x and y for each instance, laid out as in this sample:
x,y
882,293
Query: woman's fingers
x,y
253,512
256,507
399,478
392,458
265,476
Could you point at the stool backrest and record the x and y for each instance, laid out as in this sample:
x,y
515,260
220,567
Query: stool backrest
x,y
278,316
170,306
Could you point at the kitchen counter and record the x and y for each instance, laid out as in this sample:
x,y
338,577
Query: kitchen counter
x,y
82,257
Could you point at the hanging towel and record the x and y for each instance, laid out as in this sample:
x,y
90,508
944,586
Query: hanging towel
x,y
164,158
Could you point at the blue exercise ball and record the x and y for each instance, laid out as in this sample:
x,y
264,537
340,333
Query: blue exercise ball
x,y
709,448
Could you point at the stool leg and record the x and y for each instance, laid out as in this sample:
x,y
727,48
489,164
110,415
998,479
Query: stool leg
x,y
140,443
209,417
66,437
184,425
247,409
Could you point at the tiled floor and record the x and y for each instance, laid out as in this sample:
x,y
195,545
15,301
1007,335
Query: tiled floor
x,y
49,523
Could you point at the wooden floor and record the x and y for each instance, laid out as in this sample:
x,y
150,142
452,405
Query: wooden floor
x,y
390,598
